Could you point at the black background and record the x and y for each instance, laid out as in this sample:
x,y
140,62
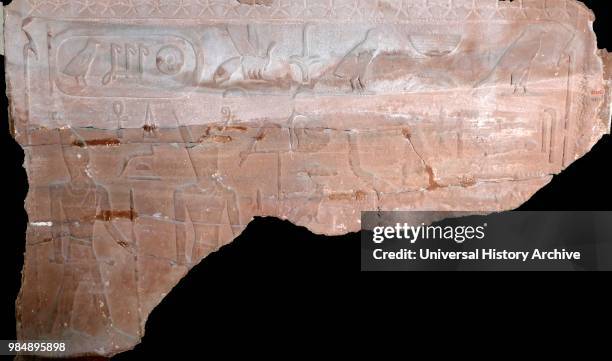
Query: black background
x,y
227,294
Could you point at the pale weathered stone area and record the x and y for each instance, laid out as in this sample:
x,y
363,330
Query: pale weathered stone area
x,y
154,131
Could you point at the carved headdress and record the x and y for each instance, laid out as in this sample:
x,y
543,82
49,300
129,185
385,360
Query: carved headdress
x,y
69,137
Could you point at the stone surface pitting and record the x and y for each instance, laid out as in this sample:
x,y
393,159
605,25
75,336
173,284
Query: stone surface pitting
x,y
154,131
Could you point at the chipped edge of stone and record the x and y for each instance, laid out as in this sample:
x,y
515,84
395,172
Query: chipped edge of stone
x,y
606,59
1,29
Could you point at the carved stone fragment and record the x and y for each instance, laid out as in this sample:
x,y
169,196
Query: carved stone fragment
x,y
155,131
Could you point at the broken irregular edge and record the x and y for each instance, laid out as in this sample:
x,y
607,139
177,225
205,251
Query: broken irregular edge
x,y
153,135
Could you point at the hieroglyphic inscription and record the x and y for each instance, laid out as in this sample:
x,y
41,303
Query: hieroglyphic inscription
x,y
155,131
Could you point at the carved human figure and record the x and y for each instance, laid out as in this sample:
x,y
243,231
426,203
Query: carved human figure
x,y
206,204
76,205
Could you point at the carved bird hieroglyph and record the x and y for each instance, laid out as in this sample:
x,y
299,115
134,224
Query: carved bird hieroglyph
x,y
79,65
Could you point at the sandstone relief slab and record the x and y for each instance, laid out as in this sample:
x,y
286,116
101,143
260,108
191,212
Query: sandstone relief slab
x,y
154,131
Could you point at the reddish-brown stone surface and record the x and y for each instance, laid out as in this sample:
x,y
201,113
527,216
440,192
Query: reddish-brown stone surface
x,y
155,131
